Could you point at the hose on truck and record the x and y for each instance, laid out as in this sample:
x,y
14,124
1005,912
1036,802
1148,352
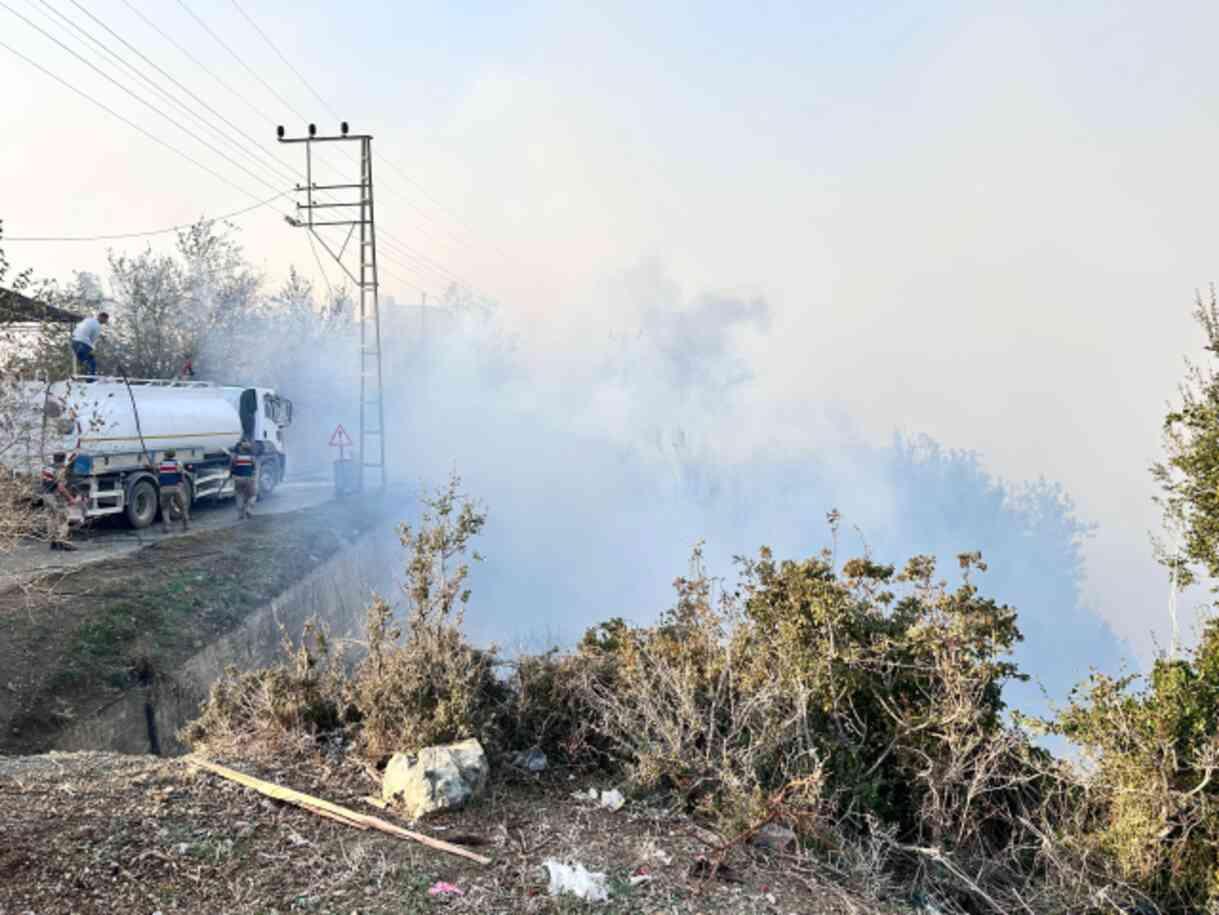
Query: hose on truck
x,y
138,431
136,412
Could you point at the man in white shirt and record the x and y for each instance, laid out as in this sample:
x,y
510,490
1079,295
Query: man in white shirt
x,y
84,338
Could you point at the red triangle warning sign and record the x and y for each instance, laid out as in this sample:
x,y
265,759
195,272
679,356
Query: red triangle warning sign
x,y
340,439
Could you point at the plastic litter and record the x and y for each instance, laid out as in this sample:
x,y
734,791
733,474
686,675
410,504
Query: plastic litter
x,y
577,881
612,800
440,888
533,761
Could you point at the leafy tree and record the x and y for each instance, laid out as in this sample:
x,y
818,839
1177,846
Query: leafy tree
x,y
1153,798
1189,475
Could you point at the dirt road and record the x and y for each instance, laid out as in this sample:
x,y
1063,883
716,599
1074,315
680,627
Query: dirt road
x,y
113,537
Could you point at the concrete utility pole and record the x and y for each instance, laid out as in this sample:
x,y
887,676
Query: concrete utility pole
x,y
372,408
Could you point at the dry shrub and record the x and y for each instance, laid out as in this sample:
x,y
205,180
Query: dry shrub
x,y
863,708
547,708
276,711
429,685
673,703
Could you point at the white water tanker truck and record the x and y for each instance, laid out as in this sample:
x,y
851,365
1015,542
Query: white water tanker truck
x,y
113,431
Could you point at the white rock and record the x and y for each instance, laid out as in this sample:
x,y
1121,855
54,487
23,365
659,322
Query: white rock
x,y
435,778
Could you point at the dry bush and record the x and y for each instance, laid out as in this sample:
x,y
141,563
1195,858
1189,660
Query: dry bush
x,y
675,707
278,711
429,685
546,708
863,708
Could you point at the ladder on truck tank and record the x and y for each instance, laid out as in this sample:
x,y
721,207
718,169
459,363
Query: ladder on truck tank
x,y
143,382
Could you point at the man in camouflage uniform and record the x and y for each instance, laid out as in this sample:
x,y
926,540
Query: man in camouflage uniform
x,y
171,477
56,496
245,478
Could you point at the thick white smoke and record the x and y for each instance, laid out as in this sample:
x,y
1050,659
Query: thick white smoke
x,y
603,463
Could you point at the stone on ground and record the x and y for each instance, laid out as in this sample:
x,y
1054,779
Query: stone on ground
x,y
435,778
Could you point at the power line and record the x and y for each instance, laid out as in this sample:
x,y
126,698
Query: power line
x,y
169,76
275,48
236,56
148,234
241,61
143,101
125,120
138,98
288,63
243,96
143,131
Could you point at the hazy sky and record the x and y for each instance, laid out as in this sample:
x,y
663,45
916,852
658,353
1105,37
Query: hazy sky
x,y
982,226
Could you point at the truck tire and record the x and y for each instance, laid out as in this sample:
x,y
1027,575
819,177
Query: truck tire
x,y
268,477
143,500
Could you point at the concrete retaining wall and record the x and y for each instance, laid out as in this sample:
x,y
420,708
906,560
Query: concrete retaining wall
x,y
337,592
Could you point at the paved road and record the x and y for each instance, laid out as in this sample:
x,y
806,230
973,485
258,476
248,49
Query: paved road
x,y
113,537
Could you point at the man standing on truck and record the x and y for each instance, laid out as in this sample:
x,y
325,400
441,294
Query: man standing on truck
x,y
55,499
84,339
173,491
245,480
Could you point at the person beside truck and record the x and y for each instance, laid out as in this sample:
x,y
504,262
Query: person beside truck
x,y
170,478
56,497
245,478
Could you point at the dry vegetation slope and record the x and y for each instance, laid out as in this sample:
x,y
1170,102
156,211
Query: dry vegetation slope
x,y
75,642
100,833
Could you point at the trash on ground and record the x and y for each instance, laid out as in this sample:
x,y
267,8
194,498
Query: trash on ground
x,y
532,761
440,888
576,881
612,800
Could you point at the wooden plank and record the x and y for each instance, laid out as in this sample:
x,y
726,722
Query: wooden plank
x,y
317,804
334,816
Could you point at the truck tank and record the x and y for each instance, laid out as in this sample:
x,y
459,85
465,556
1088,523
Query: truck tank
x,y
99,418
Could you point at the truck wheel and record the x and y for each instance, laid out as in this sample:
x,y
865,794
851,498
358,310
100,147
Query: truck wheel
x,y
142,503
268,476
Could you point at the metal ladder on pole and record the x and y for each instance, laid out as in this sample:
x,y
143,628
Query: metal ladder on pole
x,y
372,401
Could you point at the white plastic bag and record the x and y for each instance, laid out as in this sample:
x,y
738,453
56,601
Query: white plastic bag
x,y
577,881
